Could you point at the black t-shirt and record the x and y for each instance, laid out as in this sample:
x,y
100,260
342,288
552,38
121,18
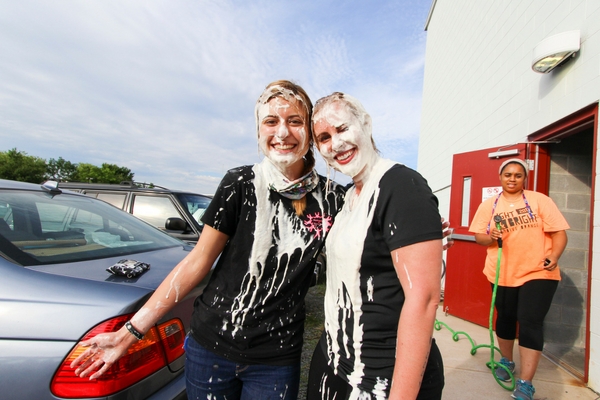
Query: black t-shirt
x,y
364,297
252,310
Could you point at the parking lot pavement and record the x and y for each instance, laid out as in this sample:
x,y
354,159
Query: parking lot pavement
x,y
468,377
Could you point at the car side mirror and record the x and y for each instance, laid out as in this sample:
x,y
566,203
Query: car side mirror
x,y
177,224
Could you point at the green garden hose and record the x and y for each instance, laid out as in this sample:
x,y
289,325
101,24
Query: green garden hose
x,y
492,364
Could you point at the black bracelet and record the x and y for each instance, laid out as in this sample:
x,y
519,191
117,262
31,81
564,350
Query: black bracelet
x,y
138,335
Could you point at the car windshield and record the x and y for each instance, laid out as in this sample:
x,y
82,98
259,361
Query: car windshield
x,y
38,228
195,203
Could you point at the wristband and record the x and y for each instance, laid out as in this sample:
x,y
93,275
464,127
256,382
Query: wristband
x,y
138,335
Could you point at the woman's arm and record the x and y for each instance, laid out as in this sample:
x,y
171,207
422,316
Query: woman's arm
x,y
419,269
105,349
559,242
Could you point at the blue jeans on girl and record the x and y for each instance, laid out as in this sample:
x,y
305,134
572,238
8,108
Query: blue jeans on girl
x,y
209,376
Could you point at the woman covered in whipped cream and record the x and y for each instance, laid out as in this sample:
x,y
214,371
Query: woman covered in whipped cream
x,y
268,223
384,257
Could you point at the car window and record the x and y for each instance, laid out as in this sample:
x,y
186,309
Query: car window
x,y
116,199
195,204
5,215
155,209
46,229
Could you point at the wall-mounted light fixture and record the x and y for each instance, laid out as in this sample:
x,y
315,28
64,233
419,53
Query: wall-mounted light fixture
x,y
554,50
503,153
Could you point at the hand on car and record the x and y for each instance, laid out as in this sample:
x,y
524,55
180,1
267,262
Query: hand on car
x,y
102,352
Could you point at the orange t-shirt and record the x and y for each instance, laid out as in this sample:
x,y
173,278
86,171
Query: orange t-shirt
x,y
525,240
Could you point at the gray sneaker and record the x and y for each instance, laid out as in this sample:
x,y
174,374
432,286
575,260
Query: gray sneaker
x,y
524,390
501,372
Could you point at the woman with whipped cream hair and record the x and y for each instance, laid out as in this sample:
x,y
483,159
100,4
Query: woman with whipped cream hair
x,y
384,257
267,222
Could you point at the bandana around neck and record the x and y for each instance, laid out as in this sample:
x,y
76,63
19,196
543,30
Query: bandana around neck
x,y
294,190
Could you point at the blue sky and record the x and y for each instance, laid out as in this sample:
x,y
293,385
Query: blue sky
x,y
167,88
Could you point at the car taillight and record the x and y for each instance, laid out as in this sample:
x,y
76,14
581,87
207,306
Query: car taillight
x,y
172,336
159,347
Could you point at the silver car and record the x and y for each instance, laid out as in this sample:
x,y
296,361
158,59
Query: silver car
x,y
56,289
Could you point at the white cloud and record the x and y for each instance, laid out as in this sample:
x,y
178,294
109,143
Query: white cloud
x,y
167,88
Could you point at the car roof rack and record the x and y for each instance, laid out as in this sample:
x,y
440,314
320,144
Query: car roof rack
x,y
143,185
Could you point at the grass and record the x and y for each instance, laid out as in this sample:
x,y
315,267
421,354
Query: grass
x,y
313,327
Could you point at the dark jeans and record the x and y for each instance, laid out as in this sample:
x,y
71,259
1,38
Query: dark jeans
x,y
209,376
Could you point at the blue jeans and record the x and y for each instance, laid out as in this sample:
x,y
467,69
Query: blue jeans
x,y
209,376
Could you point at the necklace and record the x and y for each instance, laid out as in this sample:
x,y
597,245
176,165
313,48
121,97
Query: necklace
x,y
529,211
512,200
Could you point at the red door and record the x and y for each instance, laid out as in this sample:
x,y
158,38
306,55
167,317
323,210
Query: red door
x,y
467,293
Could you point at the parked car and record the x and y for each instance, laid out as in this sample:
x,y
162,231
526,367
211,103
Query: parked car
x,y
176,212
55,291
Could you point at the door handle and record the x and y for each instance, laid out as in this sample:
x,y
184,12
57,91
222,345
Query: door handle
x,y
467,238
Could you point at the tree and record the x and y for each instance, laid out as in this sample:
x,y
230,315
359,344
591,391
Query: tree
x,y
61,170
112,173
108,173
18,166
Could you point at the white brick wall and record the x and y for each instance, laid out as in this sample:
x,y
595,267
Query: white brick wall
x,y
479,91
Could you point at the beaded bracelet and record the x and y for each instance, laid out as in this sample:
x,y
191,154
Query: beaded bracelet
x,y
138,335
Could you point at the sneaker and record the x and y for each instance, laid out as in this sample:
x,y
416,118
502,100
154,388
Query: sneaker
x,y
501,372
524,390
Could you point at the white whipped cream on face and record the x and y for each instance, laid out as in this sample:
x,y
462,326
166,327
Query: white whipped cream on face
x,y
281,155
352,142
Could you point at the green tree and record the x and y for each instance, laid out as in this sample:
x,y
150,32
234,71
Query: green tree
x,y
88,173
18,166
61,170
112,173
108,173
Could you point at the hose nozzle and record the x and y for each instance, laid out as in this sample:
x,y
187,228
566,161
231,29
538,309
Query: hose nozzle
x,y
497,220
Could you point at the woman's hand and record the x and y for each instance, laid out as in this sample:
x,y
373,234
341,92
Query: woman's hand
x,y
487,240
495,234
105,349
559,242
550,264
447,233
102,352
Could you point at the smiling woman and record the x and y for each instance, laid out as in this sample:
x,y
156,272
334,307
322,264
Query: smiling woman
x,y
283,114
383,267
266,224
531,227
343,133
282,133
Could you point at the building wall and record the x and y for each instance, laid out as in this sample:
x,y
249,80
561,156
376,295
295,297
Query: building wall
x,y
479,91
570,188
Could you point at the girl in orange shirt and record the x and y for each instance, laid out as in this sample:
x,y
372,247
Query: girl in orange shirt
x,y
533,233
